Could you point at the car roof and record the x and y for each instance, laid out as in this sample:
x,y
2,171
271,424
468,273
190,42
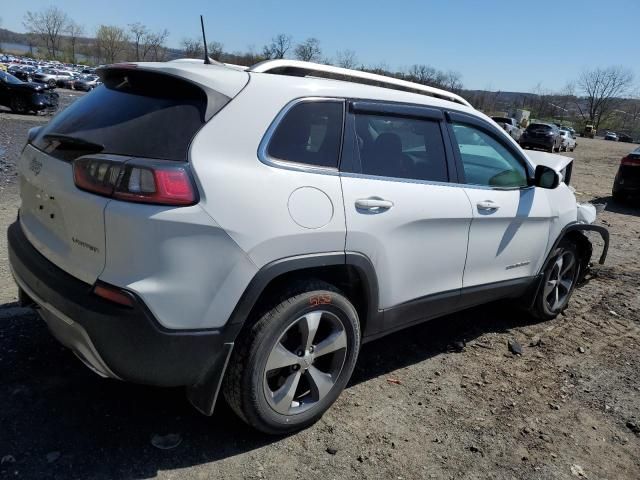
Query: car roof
x,y
227,78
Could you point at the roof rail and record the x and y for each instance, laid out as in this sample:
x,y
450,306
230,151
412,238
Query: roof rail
x,y
299,68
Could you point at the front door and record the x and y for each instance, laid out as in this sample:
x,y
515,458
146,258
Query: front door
x,y
511,220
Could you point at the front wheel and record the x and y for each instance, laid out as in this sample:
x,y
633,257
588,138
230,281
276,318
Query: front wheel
x,y
19,105
290,366
558,282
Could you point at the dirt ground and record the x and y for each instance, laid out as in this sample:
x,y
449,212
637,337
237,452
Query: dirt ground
x,y
569,407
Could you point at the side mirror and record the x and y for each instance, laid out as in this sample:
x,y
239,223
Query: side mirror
x,y
546,177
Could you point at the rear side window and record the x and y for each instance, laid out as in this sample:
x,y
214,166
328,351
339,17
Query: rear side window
x,y
391,146
136,113
309,133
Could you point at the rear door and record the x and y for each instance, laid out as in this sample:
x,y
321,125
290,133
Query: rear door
x,y
401,211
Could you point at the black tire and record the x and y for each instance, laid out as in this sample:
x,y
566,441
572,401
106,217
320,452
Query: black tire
x,y
541,308
52,83
619,197
553,148
19,105
246,384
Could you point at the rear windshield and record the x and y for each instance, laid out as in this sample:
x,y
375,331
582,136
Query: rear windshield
x,y
538,126
136,113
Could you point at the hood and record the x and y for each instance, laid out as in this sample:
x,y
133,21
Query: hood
x,y
29,87
551,160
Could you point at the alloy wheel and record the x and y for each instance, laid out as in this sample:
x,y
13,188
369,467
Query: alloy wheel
x,y
560,281
305,362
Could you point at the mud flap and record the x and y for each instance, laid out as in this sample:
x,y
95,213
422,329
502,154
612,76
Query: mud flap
x,y
204,394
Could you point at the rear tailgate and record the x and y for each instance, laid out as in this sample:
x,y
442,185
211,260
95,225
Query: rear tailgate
x,y
64,223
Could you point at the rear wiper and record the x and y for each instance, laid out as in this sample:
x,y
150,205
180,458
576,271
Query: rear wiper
x,y
73,142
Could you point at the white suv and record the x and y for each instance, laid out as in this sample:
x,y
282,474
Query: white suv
x,y
245,230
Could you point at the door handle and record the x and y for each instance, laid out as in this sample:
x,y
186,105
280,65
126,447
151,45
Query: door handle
x,y
373,204
488,205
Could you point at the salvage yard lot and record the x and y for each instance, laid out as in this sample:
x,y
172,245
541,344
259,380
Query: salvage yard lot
x,y
441,400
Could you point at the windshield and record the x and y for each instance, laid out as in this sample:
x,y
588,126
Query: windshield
x,y
136,113
502,119
8,78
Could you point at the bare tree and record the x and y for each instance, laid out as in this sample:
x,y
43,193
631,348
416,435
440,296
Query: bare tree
x,y
346,59
73,31
309,50
603,89
139,32
215,49
153,47
47,26
422,74
279,46
111,42
192,48
452,81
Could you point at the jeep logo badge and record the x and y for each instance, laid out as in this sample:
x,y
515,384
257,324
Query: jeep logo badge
x,y
35,166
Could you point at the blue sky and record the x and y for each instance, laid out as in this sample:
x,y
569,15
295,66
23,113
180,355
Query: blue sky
x,y
507,45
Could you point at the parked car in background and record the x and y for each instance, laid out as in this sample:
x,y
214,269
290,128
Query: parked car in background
x,y
627,181
611,136
568,143
87,83
623,137
22,97
542,135
68,81
47,76
510,126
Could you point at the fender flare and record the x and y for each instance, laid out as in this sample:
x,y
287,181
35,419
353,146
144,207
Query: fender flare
x,y
572,227
576,227
271,271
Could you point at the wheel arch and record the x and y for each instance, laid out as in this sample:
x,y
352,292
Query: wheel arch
x,y
351,272
574,232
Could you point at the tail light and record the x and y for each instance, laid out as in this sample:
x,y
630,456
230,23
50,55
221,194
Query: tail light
x,y
142,181
630,161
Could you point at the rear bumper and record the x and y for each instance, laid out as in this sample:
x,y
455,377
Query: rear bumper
x,y
117,342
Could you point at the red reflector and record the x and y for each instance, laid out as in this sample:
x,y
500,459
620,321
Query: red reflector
x,y
113,294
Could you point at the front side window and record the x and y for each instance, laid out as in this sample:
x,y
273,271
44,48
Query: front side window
x,y
486,161
391,146
309,133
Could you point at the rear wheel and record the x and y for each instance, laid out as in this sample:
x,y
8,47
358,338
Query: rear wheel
x,y
292,364
52,83
558,282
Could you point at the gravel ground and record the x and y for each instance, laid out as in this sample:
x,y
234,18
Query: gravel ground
x,y
444,399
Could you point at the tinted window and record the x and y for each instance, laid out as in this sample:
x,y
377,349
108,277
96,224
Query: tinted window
x,y
309,133
539,126
486,161
401,147
140,114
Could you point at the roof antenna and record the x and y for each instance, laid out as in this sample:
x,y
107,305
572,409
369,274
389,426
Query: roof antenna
x,y
207,60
